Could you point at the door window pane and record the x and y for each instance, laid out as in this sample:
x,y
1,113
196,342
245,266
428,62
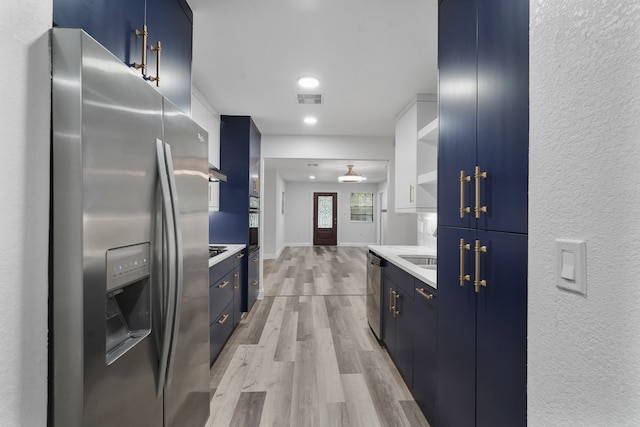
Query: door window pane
x,y
325,211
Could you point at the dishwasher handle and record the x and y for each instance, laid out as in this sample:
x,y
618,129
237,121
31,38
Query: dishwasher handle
x,y
375,260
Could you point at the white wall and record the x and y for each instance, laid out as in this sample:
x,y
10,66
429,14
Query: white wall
x,y
299,214
326,147
274,218
584,352
401,227
24,185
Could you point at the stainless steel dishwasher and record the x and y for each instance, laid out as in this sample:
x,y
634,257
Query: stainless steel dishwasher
x,y
374,293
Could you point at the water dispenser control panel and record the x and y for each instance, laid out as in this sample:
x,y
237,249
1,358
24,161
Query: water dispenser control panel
x,y
126,265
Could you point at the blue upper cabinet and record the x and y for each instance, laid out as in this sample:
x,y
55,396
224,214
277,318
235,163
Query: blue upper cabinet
x,y
503,113
457,110
483,149
118,26
171,23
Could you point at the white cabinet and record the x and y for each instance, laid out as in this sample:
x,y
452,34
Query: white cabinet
x,y
416,156
202,114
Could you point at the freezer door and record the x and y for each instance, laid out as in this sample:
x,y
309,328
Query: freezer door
x,y
187,389
105,125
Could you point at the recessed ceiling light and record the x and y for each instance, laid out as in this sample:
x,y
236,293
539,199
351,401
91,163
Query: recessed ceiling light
x,y
308,82
312,177
310,120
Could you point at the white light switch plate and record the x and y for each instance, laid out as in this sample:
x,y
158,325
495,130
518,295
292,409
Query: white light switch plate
x,y
571,265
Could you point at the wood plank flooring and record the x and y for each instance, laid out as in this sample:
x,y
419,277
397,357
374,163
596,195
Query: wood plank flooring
x,y
305,356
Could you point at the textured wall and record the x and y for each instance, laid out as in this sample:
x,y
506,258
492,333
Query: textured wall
x,y
584,352
24,210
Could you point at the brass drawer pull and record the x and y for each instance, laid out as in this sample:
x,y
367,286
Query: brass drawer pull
x,y
255,259
239,256
223,319
479,175
223,284
463,209
254,283
422,292
463,277
477,281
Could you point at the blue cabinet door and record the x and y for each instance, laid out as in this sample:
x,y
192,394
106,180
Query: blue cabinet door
x,y
403,351
388,318
112,23
457,109
254,161
456,331
253,279
502,331
425,346
171,23
503,113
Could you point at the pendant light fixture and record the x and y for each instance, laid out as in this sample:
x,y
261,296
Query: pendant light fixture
x,y
350,176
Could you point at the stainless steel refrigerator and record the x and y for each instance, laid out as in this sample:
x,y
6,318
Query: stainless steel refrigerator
x,y
129,259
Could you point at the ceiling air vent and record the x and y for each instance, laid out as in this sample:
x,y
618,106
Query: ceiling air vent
x,y
309,98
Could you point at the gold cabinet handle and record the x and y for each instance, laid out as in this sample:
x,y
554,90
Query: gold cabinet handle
x,y
237,280
142,66
158,50
391,307
422,292
256,187
223,319
396,312
479,175
255,259
463,209
254,283
239,256
463,277
223,284
477,280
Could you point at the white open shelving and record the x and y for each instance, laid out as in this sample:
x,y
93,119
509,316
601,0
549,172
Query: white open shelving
x,y
428,145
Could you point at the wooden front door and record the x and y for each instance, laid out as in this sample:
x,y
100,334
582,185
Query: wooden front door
x,y
325,218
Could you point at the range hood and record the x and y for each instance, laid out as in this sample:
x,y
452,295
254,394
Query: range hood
x,y
215,175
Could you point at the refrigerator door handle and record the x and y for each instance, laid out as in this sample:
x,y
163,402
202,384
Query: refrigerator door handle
x,y
168,226
179,262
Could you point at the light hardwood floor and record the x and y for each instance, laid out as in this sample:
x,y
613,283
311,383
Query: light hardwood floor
x,y
305,356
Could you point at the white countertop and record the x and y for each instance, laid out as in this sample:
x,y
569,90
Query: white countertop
x,y
231,250
391,254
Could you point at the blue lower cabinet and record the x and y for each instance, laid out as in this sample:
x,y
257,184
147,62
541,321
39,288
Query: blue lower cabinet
x,y
397,328
253,279
237,295
481,335
220,330
425,355
220,295
225,300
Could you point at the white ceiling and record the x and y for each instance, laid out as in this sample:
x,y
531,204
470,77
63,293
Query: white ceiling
x,y
326,170
371,57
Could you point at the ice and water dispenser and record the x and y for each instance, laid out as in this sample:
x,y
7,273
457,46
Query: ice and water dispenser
x,y
128,299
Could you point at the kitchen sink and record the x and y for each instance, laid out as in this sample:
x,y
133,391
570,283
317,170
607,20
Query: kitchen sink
x,y
428,262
